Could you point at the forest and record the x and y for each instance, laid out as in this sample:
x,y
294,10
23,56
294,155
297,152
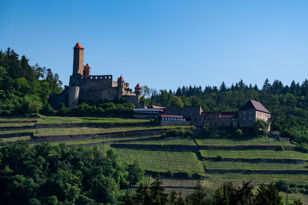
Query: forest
x,y
25,89
55,175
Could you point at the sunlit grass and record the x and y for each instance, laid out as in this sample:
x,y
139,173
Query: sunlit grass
x,y
232,142
255,154
162,161
227,165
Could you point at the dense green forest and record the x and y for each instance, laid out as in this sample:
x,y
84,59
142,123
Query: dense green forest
x,y
54,175
25,89
46,174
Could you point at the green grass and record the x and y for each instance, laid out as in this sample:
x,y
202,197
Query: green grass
x,y
11,119
175,141
260,178
87,130
78,142
253,166
16,124
292,197
15,131
231,142
13,139
162,161
255,154
61,120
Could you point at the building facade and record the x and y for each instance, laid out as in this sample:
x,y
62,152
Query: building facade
x,y
251,111
83,85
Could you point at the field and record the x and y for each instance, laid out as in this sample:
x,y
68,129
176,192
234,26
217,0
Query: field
x,y
170,141
227,165
97,141
61,120
170,161
255,154
258,178
233,142
87,130
162,161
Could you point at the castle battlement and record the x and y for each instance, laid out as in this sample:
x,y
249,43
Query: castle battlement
x,y
99,77
89,87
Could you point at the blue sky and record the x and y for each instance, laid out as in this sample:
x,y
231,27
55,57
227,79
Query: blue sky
x,y
164,43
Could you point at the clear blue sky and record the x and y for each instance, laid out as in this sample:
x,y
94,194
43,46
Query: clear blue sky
x,y
164,43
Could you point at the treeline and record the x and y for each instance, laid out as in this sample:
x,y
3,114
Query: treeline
x,y
287,103
24,89
55,175
226,194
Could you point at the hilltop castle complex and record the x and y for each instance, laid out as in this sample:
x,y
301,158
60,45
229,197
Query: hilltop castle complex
x,y
89,87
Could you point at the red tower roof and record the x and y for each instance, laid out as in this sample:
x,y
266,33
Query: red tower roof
x,y
138,86
78,46
87,66
120,79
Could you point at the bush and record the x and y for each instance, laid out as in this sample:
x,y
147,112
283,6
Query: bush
x,y
238,132
178,133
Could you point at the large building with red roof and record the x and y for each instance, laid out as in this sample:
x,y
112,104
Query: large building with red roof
x,y
89,87
246,116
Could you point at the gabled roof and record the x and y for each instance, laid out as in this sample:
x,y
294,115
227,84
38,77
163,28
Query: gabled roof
x,y
138,86
120,79
154,106
87,66
254,105
78,46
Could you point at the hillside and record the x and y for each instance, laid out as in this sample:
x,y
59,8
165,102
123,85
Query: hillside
x,y
180,160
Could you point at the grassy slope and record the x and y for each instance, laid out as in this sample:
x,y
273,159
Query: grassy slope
x,y
255,154
90,141
61,120
253,166
162,161
253,141
180,161
172,141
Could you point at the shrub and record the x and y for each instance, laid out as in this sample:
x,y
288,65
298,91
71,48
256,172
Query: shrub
x,y
238,132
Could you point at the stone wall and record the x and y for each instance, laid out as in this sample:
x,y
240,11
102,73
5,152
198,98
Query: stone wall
x,y
173,122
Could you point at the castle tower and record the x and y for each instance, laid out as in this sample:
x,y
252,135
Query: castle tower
x,y
138,91
120,87
78,60
87,71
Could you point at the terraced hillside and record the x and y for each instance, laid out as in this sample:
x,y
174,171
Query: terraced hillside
x,y
180,160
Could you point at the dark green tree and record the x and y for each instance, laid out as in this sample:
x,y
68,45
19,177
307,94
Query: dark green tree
x,y
267,194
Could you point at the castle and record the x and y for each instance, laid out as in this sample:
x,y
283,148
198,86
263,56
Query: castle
x,y
83,85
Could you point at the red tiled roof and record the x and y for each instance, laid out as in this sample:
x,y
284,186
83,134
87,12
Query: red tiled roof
x,y
254,105
138,86
154,106
120,79
87,66
78,46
